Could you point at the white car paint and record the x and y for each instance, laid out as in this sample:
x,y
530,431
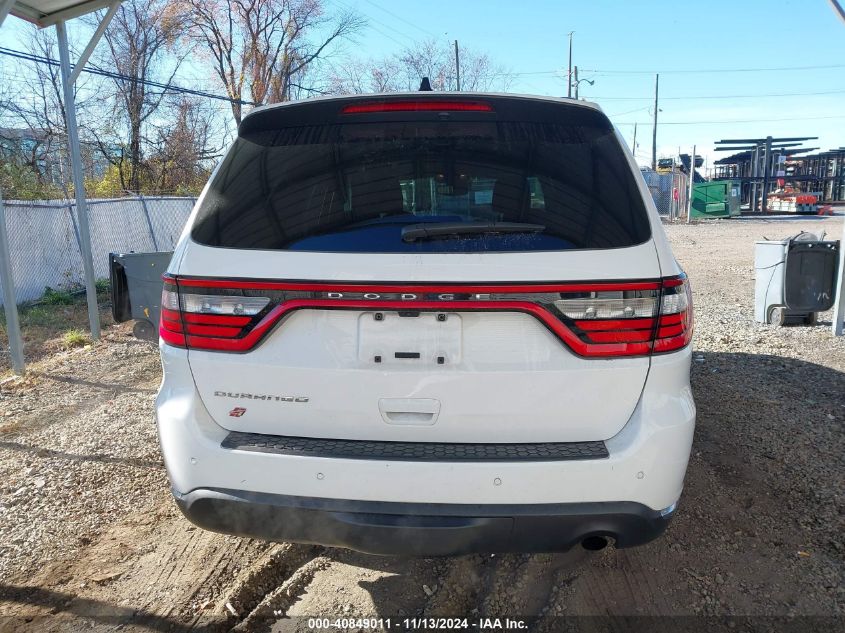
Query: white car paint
x,y
508,379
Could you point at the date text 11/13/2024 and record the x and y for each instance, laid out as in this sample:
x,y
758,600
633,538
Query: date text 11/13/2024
x,y
416,624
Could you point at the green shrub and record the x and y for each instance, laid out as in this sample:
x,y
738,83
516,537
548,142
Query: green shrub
x,y
75,338
60,297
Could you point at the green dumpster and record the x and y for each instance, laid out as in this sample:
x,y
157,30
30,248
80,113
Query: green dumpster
x,y
715,199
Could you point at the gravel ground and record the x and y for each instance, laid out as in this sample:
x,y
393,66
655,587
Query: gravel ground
x,y
89,536
78,449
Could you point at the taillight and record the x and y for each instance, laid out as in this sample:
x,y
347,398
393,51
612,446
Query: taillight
x,y
675,325
595,320
219,320
630,322
612,323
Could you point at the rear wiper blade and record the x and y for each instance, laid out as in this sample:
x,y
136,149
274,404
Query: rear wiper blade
x,y
440,230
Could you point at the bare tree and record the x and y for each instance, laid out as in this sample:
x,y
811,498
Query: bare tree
x,y
405,70
358,76
139,38
185,148
38,114
260,48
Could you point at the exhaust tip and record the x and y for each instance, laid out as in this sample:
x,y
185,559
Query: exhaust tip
x,y
594,543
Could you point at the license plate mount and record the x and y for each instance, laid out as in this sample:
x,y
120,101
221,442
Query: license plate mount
x,y
409,339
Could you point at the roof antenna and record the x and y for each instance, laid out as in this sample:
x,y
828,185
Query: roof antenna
x,y
425,85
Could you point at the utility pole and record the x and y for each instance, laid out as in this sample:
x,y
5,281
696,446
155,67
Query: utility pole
x,y
634,146
457,66
839,306
691,183
576,83
755,168
654,132
767,173
569,73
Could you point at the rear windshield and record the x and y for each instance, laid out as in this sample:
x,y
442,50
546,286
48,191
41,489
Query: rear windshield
x,y
425,187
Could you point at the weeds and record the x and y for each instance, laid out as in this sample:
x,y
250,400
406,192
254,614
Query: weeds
x,y
75,338
60,297
72,293
47,325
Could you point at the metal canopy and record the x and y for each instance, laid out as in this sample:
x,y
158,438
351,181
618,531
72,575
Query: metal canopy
x,y
50,12
759,154
745,141
55,13
749,155
738,148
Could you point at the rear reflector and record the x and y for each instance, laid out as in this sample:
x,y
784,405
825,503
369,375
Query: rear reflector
x,y
595,320
423,105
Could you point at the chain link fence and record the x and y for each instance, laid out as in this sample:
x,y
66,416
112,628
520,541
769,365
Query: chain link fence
x,y
44,237
670,192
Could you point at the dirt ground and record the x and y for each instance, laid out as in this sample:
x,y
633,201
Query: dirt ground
x,y
90,539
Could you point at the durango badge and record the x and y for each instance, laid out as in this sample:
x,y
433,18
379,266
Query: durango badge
x,y
260,396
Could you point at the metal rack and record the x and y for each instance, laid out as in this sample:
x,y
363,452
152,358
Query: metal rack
x,y
756,162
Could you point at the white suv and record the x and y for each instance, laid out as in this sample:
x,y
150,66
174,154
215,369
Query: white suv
x,y
427,323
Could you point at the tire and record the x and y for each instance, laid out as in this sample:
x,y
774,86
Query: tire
x,y
144,330
777,316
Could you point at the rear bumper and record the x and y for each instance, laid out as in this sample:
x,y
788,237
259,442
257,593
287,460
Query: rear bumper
x,y
420,529
431,506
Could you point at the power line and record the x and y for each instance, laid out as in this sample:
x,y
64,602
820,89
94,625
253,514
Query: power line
x,y
175,88
376,29
803,118
714,70
700,70
400,18
113,75
628,111
390,37
779,94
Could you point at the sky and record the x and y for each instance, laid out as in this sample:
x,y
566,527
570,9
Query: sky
x,y
709,56
620,45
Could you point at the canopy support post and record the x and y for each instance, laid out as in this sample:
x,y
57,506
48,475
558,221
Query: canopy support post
x,y
5,7
839,307
95,38
10,305
78,182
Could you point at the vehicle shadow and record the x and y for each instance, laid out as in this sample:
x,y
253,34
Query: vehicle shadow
x,y
476,584
764,418
45,609
108,386
48,453
760,493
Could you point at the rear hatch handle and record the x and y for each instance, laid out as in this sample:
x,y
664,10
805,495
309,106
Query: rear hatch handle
x,y
409,411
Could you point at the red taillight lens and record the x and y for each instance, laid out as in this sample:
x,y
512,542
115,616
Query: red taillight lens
x,y
595,320
209,319
675,324
421,105
630,322
616,322
170,320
